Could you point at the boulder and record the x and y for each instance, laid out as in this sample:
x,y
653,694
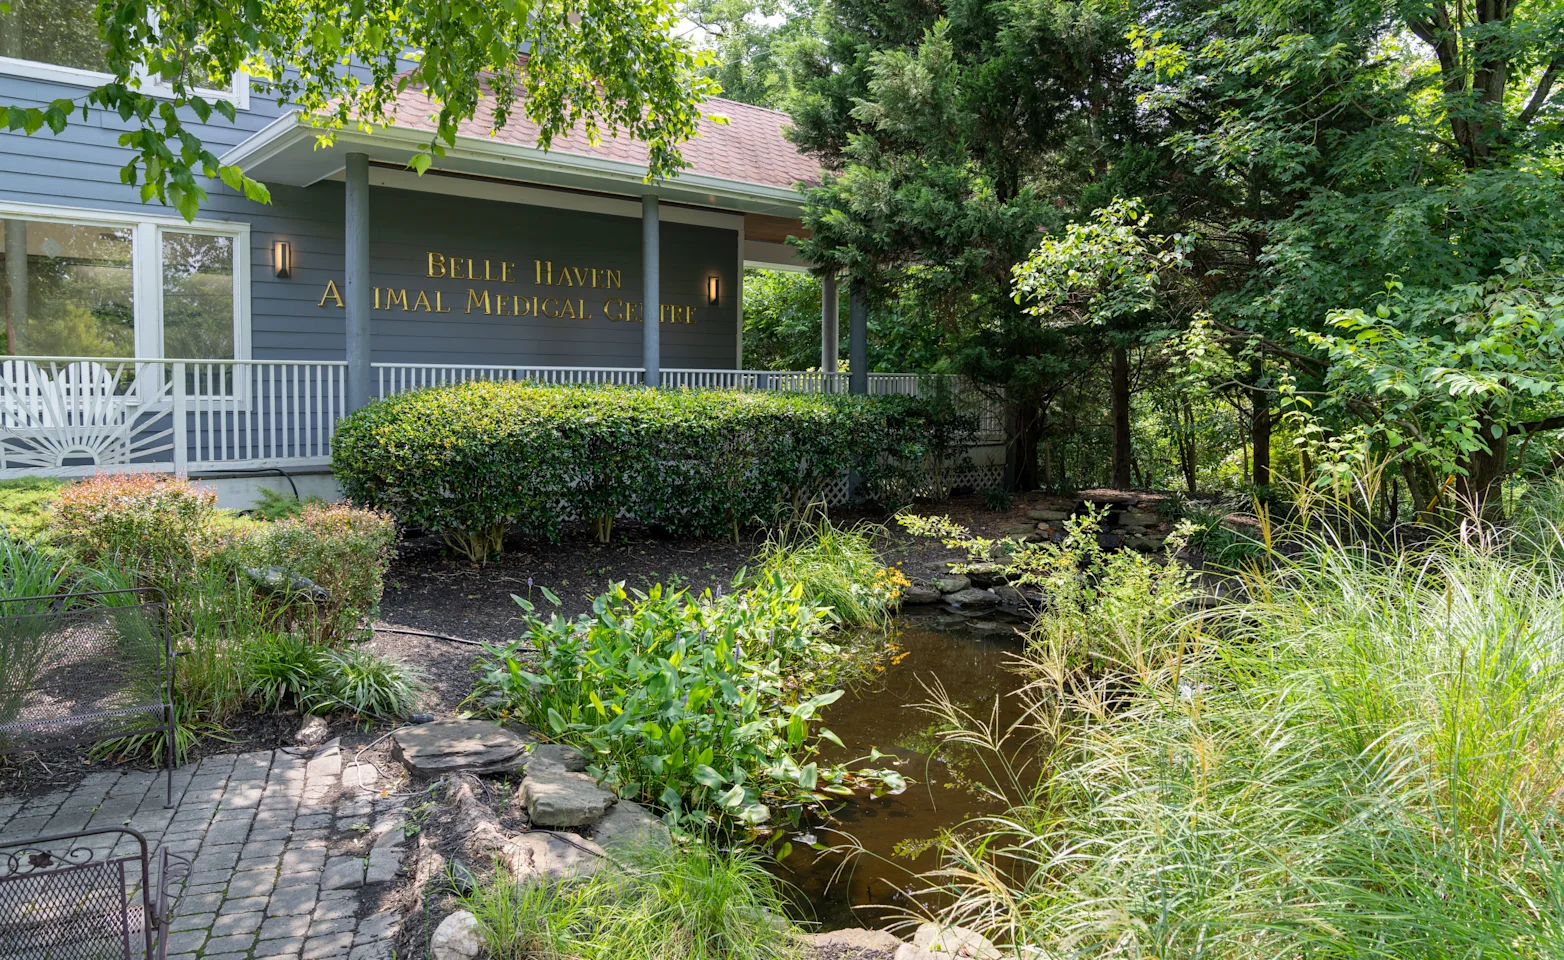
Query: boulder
x,y
972,599
456,938
556,797
1017,530
627,826
549,857
955,940
854,943
1010,596
986,574
952,583
1145,544
458,746
919,593
278,582
1143,518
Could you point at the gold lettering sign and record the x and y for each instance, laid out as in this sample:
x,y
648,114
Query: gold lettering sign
x,y
442,265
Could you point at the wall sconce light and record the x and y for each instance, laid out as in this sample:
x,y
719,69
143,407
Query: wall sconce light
x,y
713,290
282,258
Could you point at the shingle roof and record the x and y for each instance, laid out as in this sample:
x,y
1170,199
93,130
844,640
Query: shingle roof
x,y
749,148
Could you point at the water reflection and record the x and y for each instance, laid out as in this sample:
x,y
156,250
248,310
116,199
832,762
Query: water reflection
x,y
897,834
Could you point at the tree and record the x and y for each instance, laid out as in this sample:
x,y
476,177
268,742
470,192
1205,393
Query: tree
x,y
609,65
1109,275
959,133
1344,145
748,42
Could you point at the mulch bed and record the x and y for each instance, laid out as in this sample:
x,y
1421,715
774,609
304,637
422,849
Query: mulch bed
x,y
430,589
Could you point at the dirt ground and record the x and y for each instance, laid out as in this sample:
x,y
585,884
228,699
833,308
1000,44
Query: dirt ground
x,y
430,589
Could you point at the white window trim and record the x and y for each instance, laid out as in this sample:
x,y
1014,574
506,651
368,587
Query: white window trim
x,y
147,267
239,95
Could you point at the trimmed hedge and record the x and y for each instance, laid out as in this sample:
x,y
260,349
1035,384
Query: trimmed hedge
x,y
475,460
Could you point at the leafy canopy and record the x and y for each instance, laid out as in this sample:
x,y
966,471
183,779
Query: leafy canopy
x,y
607,65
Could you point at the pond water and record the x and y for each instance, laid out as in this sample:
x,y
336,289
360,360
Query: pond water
x,y
896,832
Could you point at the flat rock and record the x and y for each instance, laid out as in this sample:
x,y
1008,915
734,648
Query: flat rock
x,y
326,764
972,599
853,943
1143,518
918,593
955,583
1049,516
458,746
986,574
556,797
547,856
955,940
456,938
560,755
627,826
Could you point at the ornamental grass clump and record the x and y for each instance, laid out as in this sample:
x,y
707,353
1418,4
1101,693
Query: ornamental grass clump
x,y
1356,754
693,903
836,567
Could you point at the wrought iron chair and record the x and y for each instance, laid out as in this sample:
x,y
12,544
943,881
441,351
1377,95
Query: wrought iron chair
x,y
84,667
86,896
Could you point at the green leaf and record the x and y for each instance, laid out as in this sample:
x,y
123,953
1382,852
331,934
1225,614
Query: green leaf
x,y
732,797
420,163
708,777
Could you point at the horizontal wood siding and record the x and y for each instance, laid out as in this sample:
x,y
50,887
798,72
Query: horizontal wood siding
x,y
80,168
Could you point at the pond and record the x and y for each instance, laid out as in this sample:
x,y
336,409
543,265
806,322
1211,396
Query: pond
x,y
896,833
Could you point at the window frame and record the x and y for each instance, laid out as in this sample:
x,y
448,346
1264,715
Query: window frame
x,y
147,268
238,93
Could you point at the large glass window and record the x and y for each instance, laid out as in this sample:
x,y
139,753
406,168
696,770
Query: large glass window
x,y
198,296
59,32
68,289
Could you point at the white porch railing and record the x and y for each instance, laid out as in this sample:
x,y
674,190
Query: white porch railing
x,y
71,416
66,416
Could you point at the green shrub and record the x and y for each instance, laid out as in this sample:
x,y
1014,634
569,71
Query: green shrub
x,y
691,904
344,549
837,568
149,524
25,504
475,460
707,706
278,506
284,671
367,684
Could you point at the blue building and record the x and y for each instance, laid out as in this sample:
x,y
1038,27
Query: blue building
x,y
137,341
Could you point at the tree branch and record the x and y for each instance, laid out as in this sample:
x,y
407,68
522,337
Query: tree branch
x,y
1536,426
1539,96
1302,359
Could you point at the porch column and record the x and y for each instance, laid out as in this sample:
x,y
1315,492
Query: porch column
x,y
15,281
830,332
357,292
857,339
651,310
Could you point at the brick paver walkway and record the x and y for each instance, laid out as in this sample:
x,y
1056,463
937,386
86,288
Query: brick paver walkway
x,y
289,858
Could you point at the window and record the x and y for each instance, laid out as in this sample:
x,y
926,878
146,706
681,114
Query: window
x,y
57,40
122,286
70,289
198,296
59,32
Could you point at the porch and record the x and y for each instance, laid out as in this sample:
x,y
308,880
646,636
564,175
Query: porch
x,y
76,416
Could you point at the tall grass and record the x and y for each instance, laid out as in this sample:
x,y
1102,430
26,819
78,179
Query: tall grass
x,y
837,567
690,904
1356,755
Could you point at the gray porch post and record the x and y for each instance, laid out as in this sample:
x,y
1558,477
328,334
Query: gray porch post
x,y
857,339
357,292
15,281
651,311
830,330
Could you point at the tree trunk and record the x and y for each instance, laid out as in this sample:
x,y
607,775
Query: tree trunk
x,y
1024,428
1121,417
1260,426
1480,489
